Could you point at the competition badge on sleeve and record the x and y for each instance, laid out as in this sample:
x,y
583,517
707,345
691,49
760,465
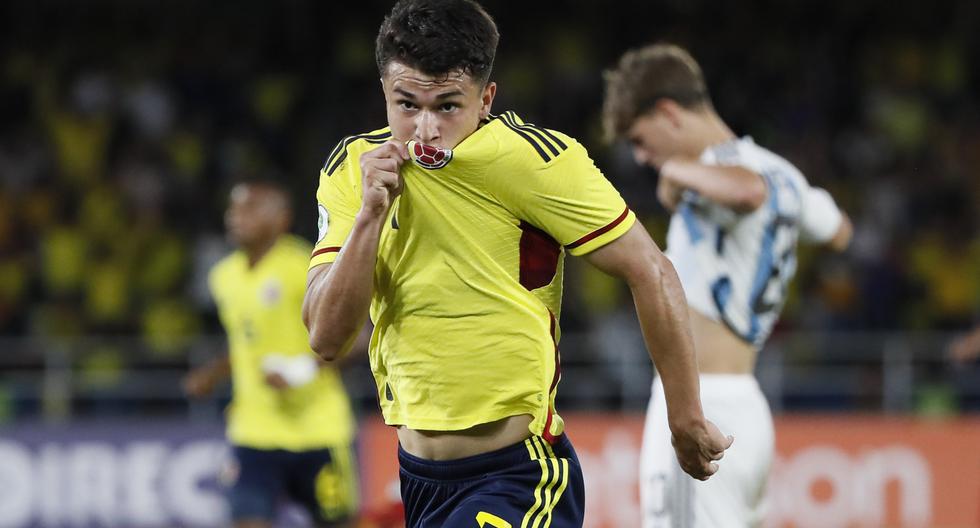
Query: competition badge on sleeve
x,y
322,223
429,157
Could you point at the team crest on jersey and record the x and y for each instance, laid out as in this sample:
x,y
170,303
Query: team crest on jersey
x,y
429,157
322,223
271,292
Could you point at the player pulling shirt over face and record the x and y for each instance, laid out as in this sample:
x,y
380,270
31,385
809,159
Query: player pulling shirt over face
x,y
738,212
736,268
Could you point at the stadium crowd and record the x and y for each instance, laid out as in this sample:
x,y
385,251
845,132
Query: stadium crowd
x,y
122,126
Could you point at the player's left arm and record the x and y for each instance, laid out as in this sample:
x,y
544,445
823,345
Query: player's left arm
x,y
842,237
662,310
734,187
823,222
569,199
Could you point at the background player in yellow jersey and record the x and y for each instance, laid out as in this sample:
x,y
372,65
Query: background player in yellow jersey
x,y
289,420
450,227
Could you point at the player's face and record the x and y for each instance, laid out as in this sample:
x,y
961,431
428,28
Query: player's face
x,y
255,215
655,138
434,110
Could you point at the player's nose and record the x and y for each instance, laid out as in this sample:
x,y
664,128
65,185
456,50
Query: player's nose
x,y
427,128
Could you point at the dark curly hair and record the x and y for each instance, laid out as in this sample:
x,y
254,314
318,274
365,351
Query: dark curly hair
x,y
438,37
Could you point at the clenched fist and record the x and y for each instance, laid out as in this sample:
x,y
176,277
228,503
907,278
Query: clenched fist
x,y
698,447
380,179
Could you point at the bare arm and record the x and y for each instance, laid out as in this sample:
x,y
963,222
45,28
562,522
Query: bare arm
x,y
737,188
842,238
201,382
662,311
338,295
966,347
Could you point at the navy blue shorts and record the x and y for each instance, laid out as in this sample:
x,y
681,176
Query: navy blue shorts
x,y
530,484
323,481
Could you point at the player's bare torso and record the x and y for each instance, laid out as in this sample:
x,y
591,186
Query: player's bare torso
x,y
719,350
451,445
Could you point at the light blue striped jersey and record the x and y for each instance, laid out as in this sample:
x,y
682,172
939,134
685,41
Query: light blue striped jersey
x,y
735,267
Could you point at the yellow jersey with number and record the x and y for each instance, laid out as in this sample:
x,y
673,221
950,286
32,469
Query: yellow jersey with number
x,y
467,285
261,310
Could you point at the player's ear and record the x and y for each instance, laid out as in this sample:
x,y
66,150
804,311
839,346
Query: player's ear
x,y
672,111
489,92
285,220
383,90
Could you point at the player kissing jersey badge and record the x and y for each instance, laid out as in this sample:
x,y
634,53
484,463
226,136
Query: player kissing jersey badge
x,y
428,156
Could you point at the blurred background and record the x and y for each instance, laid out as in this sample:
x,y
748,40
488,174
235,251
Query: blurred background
x,y
123,125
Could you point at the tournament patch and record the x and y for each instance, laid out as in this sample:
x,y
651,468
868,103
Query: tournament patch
x,y
323,223
271,292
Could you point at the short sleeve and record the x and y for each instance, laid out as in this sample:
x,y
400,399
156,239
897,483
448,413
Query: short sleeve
x,y
820,217
214,283
218,280
338,200
295,263
568,198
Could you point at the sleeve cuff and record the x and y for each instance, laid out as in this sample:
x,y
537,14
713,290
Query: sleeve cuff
x,y
603,235
324,255
821,218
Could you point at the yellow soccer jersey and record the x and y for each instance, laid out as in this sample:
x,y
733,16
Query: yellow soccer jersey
x,y
469,272
261,310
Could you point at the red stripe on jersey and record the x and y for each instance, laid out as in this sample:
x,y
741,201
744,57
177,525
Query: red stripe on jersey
x,y
546,434
538,257
331,249
600,231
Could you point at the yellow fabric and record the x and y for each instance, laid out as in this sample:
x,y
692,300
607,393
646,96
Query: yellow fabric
x,y
458,341
260,309
554,480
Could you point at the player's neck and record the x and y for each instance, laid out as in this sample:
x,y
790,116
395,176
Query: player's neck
x,y
256,251
713,131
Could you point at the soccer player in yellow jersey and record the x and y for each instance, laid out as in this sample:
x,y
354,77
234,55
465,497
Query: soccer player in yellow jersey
x,y
450,227
289,421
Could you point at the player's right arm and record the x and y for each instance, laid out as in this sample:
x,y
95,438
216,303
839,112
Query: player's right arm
x,y
338,294
201,382
735,187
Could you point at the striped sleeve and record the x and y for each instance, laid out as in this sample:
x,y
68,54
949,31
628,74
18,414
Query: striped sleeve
x,y
339,195
336,208
567,196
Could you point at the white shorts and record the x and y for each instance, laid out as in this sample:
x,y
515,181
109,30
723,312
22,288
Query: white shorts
x,y
732,497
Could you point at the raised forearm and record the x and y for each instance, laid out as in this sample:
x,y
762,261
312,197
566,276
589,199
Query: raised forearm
x,y
735,187
337,301
662,310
